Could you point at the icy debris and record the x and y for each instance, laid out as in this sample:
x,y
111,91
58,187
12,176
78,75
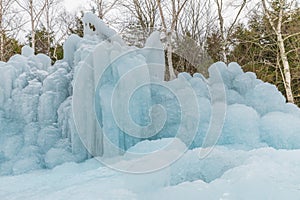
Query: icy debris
x,y
58,156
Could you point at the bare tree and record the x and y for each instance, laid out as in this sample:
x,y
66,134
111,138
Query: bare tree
x,y
225,31
277,16
4,7
139,20
176,9
10,23
50,20
195,25
104,6
145,11
197,20
48,6
35,10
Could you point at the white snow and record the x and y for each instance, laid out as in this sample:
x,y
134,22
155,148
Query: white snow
x,y
232,174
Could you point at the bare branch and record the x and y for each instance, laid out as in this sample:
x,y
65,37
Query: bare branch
x,y
237,16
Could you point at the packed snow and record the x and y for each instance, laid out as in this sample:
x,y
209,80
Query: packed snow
x,y
263,173
228,136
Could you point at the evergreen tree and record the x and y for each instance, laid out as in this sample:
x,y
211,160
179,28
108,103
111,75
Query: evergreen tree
x,y
255,47
12,47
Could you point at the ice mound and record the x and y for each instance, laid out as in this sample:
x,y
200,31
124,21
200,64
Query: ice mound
x,y
264,174
280,130
37,100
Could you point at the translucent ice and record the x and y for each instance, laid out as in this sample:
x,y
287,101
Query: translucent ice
x,y
38,100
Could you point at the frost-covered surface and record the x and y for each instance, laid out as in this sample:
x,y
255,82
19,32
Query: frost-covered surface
x,y
263,173
256,156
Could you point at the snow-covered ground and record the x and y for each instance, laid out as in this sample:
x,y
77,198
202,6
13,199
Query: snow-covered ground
x,y
229,136
263,173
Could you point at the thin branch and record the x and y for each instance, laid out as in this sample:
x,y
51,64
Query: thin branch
x,y
237,16
292,35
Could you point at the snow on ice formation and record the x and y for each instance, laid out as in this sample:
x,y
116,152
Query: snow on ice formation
x,y
256,155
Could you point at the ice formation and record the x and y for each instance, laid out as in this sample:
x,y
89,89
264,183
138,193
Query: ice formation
x,y
37,128
36,102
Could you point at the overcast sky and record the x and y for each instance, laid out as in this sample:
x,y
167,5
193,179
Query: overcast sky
x,y
73,5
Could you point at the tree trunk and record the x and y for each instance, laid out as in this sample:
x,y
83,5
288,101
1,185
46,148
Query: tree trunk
x,y
48,28
283,56
224,55
100,9
222,32
32,21
169,71
286,69
170,74
2,46
280,43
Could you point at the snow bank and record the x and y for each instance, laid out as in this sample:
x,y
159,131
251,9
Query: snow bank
x,y
263,173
